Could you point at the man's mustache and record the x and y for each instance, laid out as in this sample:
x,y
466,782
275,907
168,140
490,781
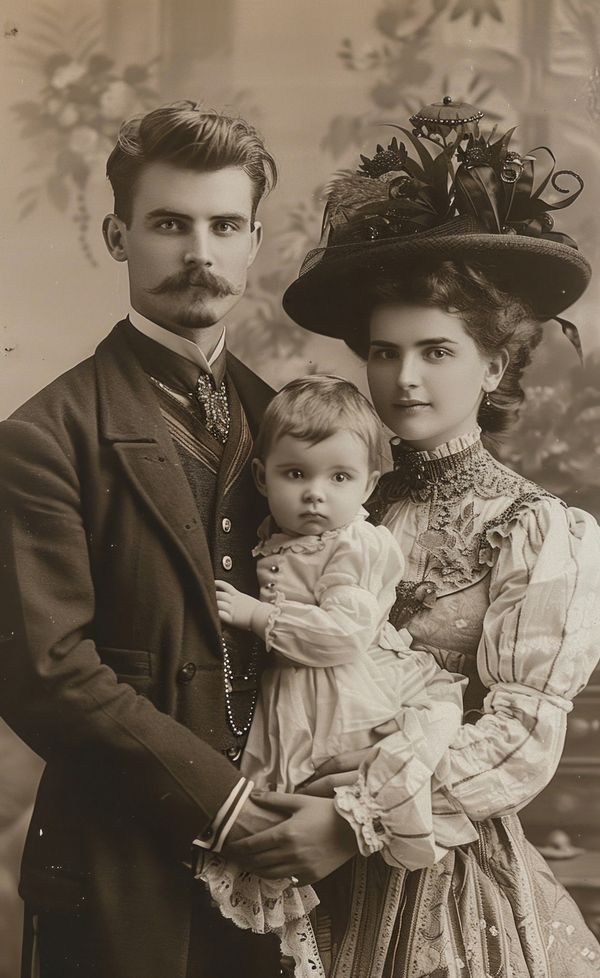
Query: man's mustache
x,y
182,281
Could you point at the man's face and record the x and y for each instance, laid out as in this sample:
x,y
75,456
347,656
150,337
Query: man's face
x,y
189,244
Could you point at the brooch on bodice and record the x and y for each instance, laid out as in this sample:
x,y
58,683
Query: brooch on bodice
x,y
412,597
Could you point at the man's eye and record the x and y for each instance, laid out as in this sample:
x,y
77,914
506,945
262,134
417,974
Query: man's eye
x,y
225,227
170,224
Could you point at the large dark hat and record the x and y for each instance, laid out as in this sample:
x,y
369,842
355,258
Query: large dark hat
x,y
468,198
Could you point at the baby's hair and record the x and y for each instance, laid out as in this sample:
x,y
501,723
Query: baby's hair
x,y
314,408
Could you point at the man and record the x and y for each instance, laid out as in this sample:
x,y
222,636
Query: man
x,y
126,489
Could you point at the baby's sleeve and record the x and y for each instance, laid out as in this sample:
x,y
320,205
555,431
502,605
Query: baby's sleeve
x,y
348,614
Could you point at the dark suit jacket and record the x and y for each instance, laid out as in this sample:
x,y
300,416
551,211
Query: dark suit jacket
x,y
104,566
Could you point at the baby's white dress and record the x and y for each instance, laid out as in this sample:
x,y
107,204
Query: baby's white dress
x,y
340,669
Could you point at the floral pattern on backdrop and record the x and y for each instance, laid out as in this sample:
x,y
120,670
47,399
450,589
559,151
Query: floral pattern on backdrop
x,y
83,99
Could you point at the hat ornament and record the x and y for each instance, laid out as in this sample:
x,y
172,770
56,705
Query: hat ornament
x,y
465,175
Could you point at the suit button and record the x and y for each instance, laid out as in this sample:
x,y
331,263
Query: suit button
x,y
234,753
226,524
207,835
186,673
227,562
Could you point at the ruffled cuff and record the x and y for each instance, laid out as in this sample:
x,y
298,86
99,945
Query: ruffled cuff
x,y
356,804
278,599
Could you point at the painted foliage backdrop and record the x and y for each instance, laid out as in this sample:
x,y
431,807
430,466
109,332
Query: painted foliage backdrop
x,y
318,77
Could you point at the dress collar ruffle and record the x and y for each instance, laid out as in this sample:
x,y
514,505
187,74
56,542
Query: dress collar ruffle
x,y
273,541
455,460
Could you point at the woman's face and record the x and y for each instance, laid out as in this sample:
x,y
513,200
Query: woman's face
x,y
426,375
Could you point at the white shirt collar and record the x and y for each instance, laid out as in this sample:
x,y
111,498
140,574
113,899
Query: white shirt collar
x,y
177,344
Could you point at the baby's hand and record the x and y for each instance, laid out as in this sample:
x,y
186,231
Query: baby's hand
x,y
234,607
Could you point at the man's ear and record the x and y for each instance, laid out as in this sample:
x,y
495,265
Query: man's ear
x,y
373,480
258,471
114,232
257,236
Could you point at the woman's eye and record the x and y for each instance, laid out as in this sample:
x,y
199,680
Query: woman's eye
x,y
383,354
438,354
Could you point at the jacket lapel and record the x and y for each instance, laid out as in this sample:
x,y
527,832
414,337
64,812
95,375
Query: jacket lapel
x,y
248,397
253,393
130,419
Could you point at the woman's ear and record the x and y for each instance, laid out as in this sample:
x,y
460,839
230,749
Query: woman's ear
x,y
258,471
494,371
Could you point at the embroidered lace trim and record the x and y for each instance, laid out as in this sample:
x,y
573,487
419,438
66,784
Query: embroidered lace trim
x,y
266,906
356,804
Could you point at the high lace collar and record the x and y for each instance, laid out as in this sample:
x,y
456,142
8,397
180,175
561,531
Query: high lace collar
x,y
272,540
456,462
452,447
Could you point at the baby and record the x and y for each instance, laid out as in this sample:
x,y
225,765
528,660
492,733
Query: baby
x,y
328,581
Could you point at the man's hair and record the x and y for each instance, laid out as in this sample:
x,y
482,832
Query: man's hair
x,y
183,135
314,408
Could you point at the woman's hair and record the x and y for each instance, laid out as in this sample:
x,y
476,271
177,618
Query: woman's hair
x,y
314,408
493,317
185,136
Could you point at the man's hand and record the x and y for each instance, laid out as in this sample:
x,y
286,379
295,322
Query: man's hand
x,y
235,608
343,769
254,818
311,842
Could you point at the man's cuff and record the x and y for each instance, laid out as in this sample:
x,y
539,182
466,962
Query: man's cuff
x,y
215,836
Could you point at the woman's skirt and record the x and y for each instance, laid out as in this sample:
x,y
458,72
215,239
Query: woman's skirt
x,y
492,909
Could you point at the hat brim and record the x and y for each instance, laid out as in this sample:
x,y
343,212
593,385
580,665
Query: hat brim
x,y
326,298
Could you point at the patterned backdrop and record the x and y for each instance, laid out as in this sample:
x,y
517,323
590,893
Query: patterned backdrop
x,y
319,78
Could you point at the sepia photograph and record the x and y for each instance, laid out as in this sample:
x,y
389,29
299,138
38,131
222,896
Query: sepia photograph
x,y
300,489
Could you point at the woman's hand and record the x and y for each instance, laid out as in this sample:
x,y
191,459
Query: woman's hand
x,y
343,769
311,842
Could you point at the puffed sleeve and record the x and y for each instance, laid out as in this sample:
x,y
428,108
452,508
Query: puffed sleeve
x,y
398,805
353,596
540,643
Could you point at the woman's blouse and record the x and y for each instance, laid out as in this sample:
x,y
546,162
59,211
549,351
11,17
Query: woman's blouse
x,y
502,583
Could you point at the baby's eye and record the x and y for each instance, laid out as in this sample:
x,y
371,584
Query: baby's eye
x,y
294,474
341,477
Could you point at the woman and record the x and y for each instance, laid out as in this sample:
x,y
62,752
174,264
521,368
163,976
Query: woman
x,y
444,284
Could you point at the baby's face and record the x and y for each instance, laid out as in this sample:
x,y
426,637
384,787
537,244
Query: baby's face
x,y
313,488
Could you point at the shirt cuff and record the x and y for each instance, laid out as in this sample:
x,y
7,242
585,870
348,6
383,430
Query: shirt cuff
x,y
215,836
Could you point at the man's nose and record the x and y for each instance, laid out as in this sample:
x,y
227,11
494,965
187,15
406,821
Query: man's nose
x,y
198,248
